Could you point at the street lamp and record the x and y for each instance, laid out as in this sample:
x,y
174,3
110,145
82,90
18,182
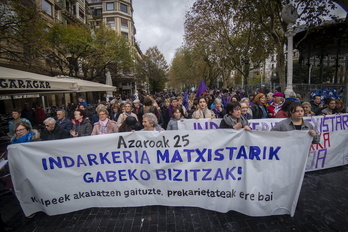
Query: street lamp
x,y
289,15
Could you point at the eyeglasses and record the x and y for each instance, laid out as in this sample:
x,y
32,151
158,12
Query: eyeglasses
x,y
47,125
243,108
101,114
19,130
238,109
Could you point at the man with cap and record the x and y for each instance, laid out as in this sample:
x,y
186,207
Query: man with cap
x,y
276,105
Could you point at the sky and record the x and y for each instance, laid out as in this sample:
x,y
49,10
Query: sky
x,y
161,23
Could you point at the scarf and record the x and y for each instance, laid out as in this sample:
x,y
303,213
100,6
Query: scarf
x,y
24,139
103,126
204,113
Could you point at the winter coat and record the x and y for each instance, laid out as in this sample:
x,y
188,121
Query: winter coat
x,y
229,122
84,128
111,127
56,133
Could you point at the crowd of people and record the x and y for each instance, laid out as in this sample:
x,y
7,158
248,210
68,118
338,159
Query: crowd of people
x,y
163,111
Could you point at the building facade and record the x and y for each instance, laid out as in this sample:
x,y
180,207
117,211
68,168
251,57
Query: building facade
x,y
65,11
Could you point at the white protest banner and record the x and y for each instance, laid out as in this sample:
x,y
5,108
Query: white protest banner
x,y
255,173
332,151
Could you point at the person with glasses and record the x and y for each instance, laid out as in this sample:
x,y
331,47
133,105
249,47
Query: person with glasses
x,y
23,133
234,118
16,115
127,112
244,110
104,125
52,131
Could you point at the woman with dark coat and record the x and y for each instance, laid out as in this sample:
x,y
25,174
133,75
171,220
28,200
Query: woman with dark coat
x,y
259,108
234,118
81,124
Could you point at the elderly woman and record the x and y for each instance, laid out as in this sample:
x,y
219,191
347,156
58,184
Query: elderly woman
x,y
81,124
259,108
126,112
23,134
307,109
234,119
295,122
52,130
203,111
104,125
217,108
150,123
244,110
283,112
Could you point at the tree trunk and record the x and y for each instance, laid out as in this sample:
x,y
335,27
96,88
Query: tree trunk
x,y
281,66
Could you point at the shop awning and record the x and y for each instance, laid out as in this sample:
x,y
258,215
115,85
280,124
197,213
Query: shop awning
x,y
15,82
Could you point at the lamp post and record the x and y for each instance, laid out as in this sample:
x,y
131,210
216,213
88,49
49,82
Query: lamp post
x,y
289,15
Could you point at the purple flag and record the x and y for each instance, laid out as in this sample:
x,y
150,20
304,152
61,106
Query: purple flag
x,y
201,88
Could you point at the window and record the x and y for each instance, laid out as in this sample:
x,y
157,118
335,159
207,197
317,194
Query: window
x,y
111,21
124,22
124,8
110,6
98,11
125,34
47,7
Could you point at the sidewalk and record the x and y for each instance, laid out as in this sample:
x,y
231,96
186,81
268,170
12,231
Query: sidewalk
x,y
322,206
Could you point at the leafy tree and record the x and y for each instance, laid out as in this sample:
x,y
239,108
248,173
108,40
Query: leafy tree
x,y
21,32
154,69
229,44
108,51
267,15
66,46
247,31
186,69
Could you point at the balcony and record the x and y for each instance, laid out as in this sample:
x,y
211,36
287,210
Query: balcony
x,y
94,1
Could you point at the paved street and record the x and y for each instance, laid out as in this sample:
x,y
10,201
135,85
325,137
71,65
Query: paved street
x,y
322,207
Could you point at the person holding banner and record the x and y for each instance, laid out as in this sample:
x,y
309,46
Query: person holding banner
x,y
295,122
150,123
203,111
234,119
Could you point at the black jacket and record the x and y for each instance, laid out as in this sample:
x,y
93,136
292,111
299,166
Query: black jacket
x,y
56,133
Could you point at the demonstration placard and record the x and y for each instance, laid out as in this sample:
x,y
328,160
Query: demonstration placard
x,y
255,173
332,151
